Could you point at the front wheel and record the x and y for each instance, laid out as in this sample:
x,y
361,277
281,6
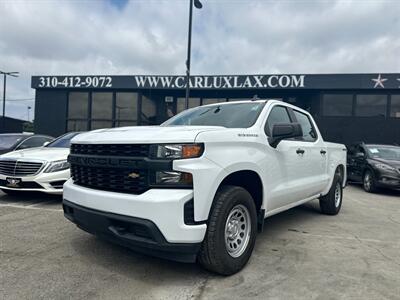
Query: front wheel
x,y
231,231
369,182
331,203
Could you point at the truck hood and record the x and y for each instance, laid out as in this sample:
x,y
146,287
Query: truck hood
x,y
143,135
42,153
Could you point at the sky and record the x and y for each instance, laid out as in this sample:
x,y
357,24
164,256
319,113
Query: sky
x,y
122,37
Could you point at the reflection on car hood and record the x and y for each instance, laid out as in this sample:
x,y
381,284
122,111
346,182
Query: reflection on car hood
x,y
42,153
393,163
143,134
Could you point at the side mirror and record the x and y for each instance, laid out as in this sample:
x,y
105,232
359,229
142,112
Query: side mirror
x,y
284,131
46,143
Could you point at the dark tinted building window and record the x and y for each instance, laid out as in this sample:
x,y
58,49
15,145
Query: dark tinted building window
x,y
149,111
180,103
212,100
100,124
277,115
77,125
78,104
126,109
102,106
395,106
309,134
371,105
337,104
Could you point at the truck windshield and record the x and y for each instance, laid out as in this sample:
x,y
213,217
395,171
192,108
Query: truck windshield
x,y
384,152
235,115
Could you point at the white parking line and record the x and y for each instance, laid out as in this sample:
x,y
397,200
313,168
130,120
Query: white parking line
x,y
30,207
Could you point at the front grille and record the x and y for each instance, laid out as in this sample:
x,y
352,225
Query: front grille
x,y
19,168
131,150
110,179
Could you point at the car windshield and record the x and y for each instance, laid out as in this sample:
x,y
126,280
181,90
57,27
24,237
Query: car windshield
x,y
235,115
7,141
63,141
384,152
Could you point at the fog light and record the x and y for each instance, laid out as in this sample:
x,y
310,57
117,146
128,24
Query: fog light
x,y
173,177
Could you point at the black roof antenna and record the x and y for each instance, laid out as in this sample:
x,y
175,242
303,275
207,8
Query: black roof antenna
x,y
255,97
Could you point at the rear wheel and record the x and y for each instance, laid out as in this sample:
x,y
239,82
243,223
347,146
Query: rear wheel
x,y
331,203
369,182
231,231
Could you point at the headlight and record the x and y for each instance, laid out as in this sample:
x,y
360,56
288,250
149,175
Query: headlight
x,y
57,166
179,151
385,167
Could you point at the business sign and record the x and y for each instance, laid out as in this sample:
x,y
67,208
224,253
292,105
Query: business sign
x,y
314,81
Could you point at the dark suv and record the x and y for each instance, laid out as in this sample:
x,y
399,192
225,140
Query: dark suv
x,y
374,166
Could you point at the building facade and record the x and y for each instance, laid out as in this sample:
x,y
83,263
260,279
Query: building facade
x,y
347,107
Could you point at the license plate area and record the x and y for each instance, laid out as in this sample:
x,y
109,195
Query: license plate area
x,y
13,182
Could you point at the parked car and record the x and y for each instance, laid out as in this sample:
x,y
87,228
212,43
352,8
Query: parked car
x,y
43,169
374,166
18,141
198,186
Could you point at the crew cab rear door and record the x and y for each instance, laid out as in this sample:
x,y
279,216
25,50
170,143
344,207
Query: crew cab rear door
x,y
313,153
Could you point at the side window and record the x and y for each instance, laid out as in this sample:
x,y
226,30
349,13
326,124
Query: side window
x,y
32,142
309,134
277,115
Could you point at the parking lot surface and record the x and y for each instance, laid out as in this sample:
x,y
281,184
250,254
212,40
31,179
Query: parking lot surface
x,y
300,255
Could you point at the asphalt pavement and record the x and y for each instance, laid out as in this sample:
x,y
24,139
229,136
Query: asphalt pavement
x,y
301,254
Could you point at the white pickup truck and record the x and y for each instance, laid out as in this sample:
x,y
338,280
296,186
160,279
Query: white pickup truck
x,y
198,187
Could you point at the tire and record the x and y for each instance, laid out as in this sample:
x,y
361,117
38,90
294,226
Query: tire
x,y
231,231
369,182
331,203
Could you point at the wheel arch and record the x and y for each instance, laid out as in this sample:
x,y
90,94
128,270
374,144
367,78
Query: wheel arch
x,y
250,180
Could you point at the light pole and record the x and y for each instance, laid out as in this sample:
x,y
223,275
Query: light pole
x,y
198,5
5,74
28,108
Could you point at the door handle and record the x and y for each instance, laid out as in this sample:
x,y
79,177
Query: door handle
x,y
300,151
323,152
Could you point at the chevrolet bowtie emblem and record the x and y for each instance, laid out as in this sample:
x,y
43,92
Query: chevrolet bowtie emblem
x,y
133,175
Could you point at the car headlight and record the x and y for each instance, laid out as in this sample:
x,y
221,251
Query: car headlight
x,y
385,167
57,166
178,151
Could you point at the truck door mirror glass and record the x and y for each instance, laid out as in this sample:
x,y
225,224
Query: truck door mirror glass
x,y
284,131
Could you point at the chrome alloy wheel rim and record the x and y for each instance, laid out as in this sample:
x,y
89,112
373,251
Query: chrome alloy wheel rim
x,y
237,230
367,181
338,195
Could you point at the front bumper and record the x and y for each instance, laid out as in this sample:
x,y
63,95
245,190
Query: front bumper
x,y
392,182
163,207
138,234
50,183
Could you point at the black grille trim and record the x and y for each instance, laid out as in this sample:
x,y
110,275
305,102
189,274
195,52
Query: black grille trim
x,y
110,179
131,150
